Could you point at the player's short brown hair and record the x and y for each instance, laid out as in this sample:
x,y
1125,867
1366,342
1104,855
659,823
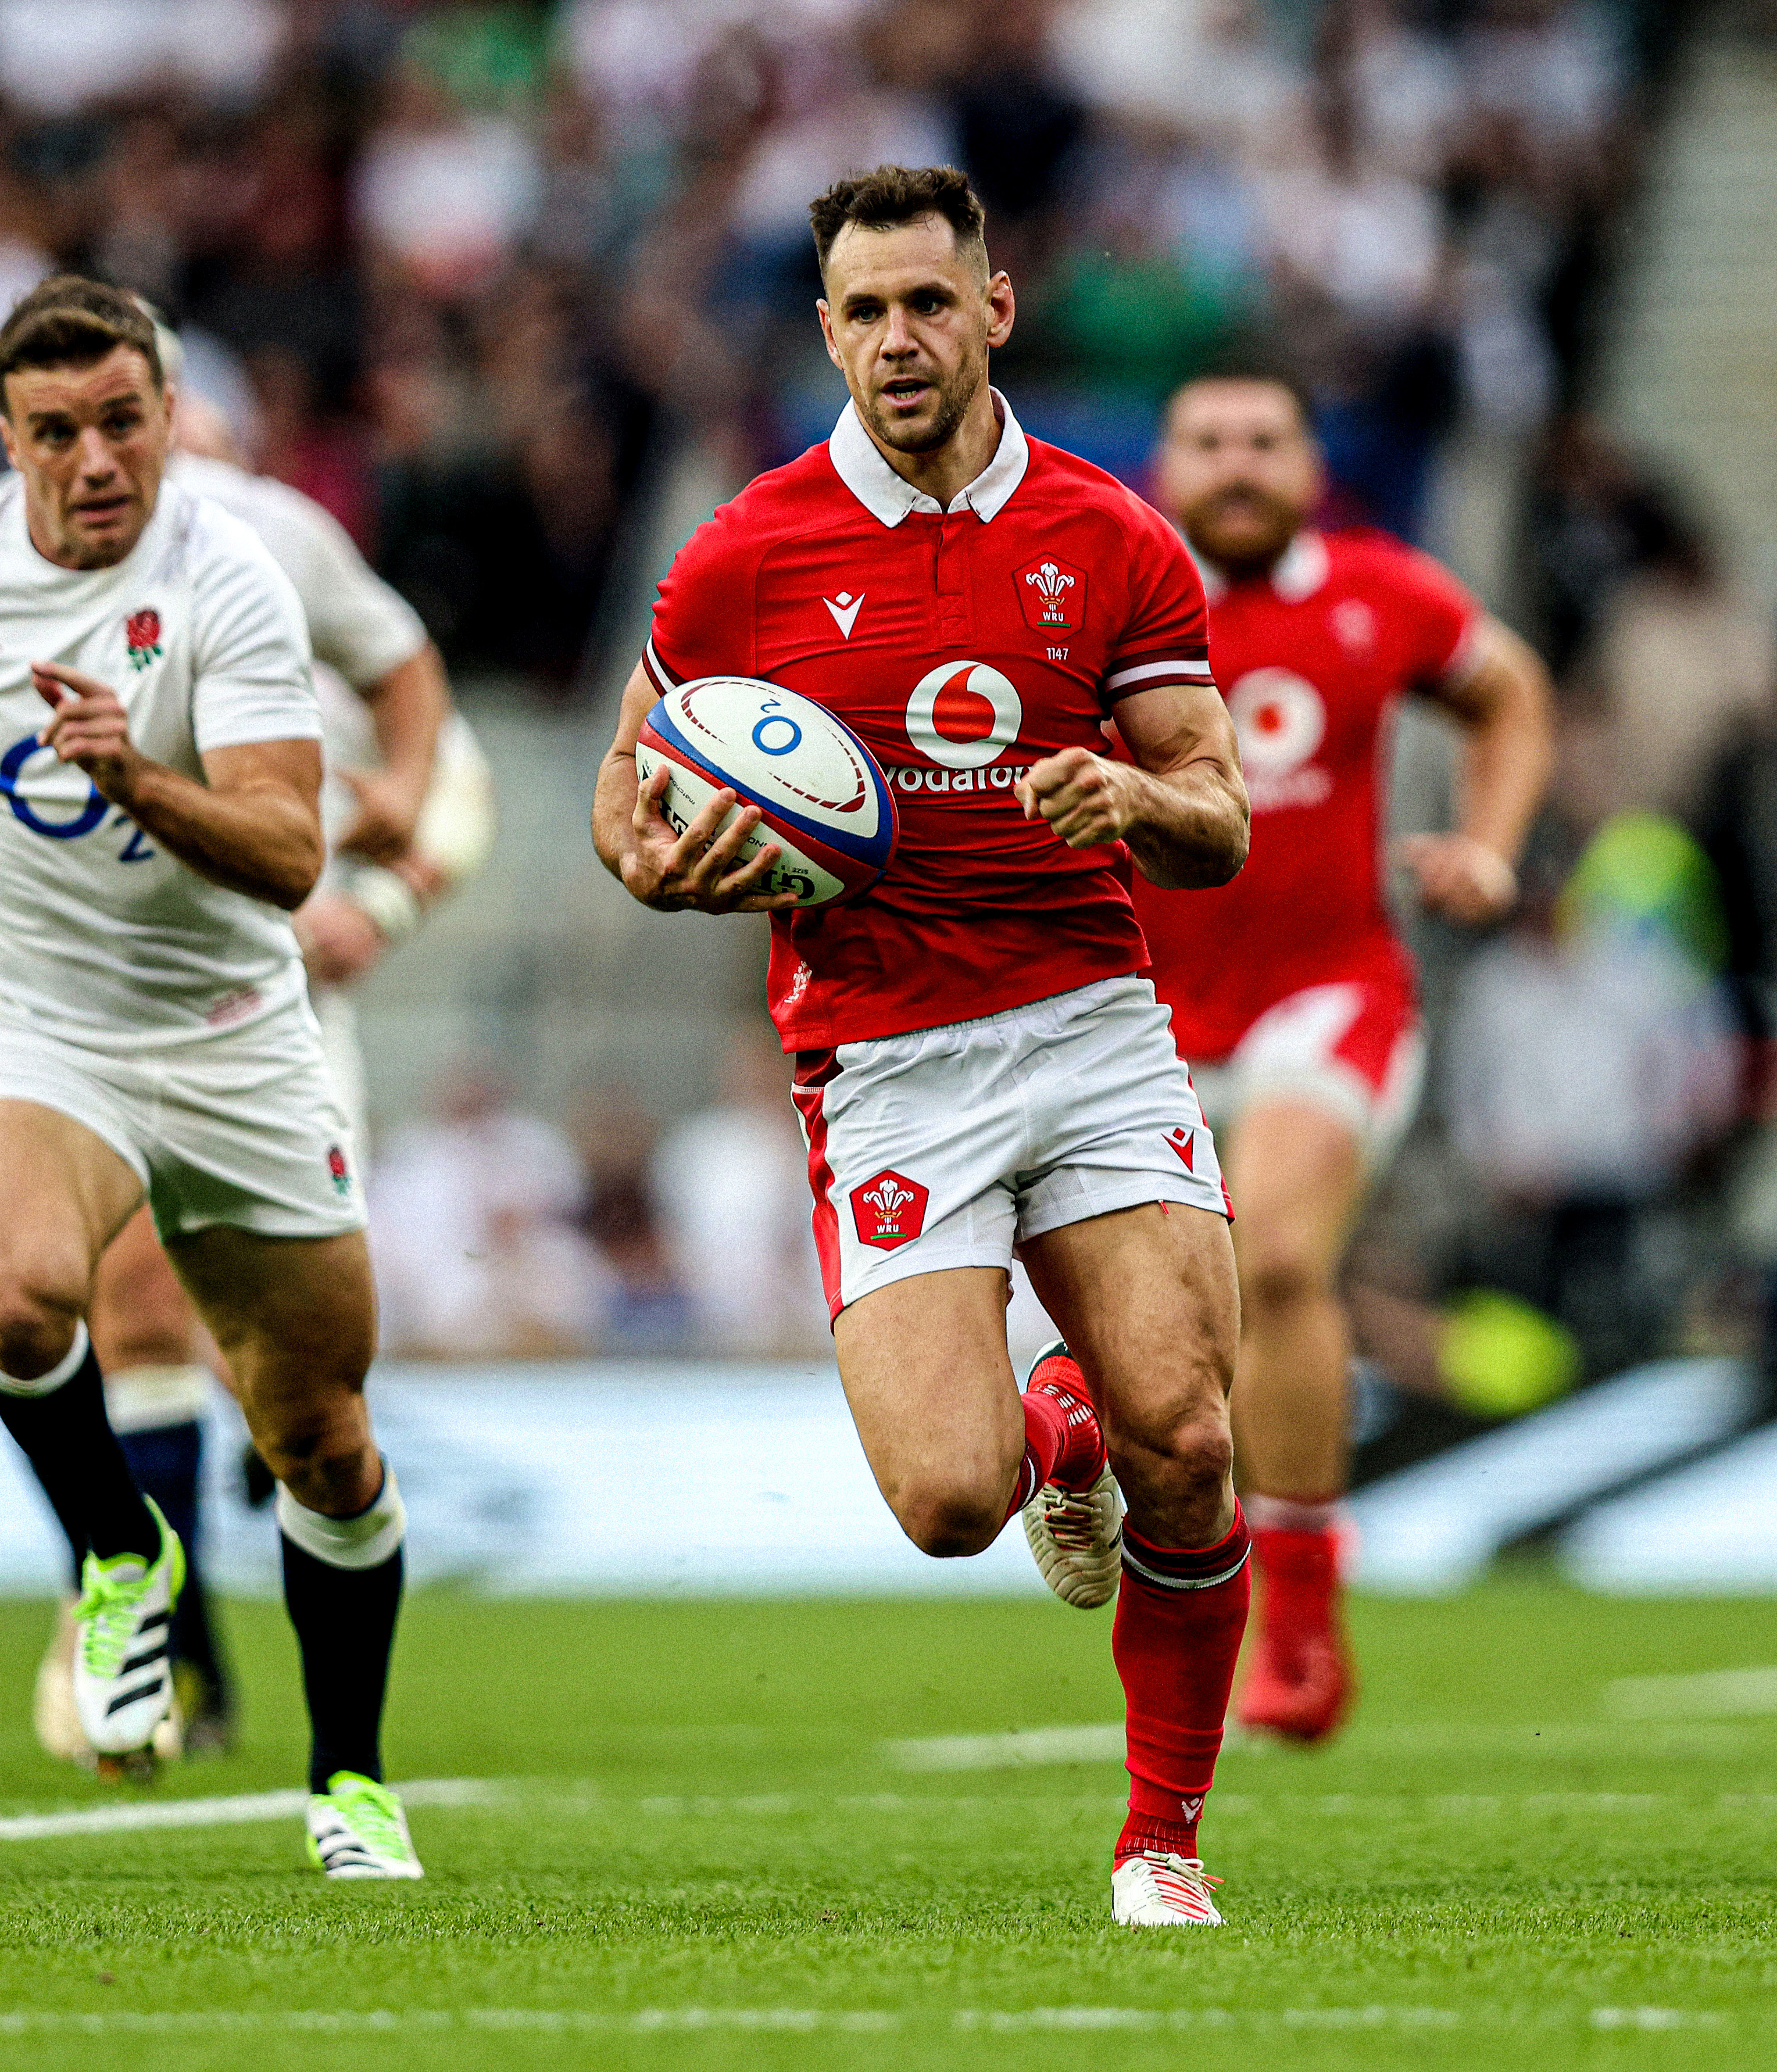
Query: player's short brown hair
x,y
895,195
1256,363
69,321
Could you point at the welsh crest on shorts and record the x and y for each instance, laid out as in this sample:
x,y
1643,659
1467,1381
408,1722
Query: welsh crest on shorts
x,y
889,1209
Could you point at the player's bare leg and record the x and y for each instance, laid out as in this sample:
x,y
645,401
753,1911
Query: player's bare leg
x,y
1297,1172
296,1321
68,1193
1146,1298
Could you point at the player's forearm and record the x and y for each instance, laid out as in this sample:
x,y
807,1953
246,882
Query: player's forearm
x,y
614,810
1193,827
259,840
408,707
1509,756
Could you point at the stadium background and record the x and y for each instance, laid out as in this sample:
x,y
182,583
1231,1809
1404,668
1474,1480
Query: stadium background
x,y
519,292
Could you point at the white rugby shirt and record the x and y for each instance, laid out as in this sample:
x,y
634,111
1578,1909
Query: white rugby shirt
x,y
105,940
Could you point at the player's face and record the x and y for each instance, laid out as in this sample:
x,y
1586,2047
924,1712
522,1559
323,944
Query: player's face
x,y
909,322
91,444
1238,469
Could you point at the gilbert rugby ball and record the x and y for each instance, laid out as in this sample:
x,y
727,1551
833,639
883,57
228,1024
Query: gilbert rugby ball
x,y
825,801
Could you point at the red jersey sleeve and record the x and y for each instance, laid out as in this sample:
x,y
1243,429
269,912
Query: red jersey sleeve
x,y
1165,639
1438,619
703,617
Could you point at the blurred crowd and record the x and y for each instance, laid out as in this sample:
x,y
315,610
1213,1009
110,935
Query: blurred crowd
x,y
497,1234
469,271
476,276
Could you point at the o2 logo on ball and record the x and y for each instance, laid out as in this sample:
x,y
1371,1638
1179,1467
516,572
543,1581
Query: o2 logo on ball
x,y
964,714
1281,719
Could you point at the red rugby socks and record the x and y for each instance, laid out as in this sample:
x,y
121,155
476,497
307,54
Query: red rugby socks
x,y
1180,1616
1061,1441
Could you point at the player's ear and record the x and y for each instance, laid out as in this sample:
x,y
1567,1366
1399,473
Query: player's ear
x,y
825,315
1001,309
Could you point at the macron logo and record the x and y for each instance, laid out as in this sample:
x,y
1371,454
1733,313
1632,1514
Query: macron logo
x,y
844,611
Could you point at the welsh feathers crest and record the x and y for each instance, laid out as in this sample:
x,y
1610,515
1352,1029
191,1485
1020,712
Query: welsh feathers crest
x,y
889,1209
1053,595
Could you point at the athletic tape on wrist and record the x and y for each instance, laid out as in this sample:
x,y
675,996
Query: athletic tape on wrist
x,y
151,1398
388,898
364,1542
65,1369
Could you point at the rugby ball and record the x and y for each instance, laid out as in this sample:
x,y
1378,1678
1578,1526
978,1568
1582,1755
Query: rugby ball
x,y
825,801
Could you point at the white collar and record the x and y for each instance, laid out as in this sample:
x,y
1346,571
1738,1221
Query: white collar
x,y
858,462
1299,571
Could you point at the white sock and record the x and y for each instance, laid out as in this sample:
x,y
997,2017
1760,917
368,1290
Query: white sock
x,y
1283,1514
145,1399
65,1369
364,1542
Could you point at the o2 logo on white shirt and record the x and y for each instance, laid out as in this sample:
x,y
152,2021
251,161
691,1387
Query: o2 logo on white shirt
x,y
1280,719
84,818
964,714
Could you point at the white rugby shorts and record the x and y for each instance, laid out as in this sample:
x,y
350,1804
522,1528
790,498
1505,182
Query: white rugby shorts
x,y
243,1129
952,1146
1355,1049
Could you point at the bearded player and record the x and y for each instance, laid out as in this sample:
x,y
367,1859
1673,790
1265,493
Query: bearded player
x,y
161,774
975,1029
1291,995
407,810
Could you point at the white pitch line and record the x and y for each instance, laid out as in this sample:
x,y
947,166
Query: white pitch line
x,y
225,1812
648,2021
1716,1694
1033,1746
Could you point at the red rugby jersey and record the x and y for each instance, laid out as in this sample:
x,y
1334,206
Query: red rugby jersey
x,y
1312,660
961,646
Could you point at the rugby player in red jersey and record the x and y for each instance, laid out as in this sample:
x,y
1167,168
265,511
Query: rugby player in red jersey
x,y
1291,995
979,1065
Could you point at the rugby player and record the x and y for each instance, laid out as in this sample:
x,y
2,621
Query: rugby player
x,y
161,772
980,1064
407,807
1292,996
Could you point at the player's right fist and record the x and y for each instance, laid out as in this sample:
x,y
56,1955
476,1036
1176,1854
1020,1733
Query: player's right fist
x,y
89,729
696,870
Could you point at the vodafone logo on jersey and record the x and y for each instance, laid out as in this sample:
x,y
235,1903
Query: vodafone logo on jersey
x,y
964,714
1281,719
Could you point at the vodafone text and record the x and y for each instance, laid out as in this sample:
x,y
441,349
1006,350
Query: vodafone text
x,y
998,777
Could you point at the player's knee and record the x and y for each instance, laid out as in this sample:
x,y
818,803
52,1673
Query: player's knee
x,y
39,1312
1281,1270
948,1517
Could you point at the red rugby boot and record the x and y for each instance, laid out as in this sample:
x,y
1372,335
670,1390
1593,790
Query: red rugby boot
x,y
1302,1682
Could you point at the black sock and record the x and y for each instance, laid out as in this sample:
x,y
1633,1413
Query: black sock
x,y
345,1626
68,1440
167,1462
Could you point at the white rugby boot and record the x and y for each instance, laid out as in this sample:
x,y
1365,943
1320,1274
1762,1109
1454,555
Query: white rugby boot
x,y
123,1660
1076,1536
1158,1890
54,1715
357,1829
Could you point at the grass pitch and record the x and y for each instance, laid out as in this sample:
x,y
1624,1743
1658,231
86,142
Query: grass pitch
x,y
700,1856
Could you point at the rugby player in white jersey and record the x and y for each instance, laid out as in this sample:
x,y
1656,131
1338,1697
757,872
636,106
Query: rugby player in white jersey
x,y
160,765
407,807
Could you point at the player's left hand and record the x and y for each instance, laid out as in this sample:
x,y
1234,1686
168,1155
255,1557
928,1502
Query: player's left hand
x,y
1085,798
90,728
389,811
1460,879
339,940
